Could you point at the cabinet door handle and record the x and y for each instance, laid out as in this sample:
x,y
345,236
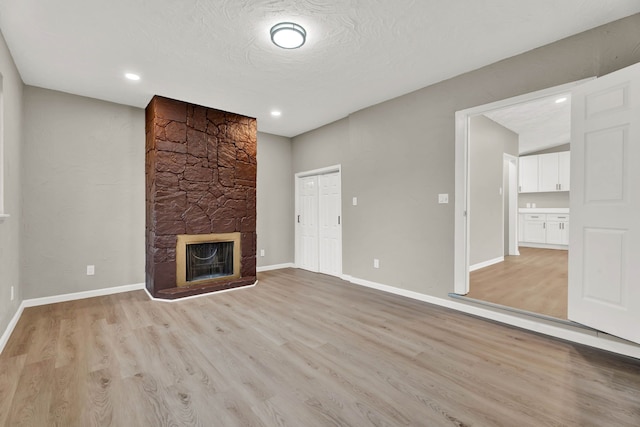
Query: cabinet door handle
x,y
338,219
520,189
544,225
298,219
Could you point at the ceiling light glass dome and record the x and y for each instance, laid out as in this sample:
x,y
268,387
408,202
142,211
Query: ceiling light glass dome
x,y
288,35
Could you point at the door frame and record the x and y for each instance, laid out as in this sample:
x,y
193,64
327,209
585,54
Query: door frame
x,y
297,177
512,208
463,210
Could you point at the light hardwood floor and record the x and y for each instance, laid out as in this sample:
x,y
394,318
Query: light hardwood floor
x,y
535,281
300,349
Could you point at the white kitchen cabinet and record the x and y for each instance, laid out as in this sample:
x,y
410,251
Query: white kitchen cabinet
x,y
528,174
557,229
534,228
544,230
564,167
548,172
545,172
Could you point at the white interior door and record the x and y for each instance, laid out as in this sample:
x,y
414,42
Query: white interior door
x,y
604,267
308,223
330,259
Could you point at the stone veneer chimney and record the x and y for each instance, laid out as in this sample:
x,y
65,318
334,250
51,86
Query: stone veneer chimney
x,y
200,179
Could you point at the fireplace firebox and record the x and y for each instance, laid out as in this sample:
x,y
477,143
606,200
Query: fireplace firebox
x,y
207,258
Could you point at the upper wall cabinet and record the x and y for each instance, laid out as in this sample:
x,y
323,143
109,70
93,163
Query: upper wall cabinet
x,y
564,183
545,172
553,171
528,174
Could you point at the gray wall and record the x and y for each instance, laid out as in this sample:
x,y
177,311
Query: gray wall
x,y
275,200
321,147
12,88
488,142
400,154
83,192
546,200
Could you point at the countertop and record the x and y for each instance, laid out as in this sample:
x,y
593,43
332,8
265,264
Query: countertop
x,y
544,210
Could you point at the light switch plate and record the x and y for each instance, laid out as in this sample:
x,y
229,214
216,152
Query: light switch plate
x,y
91,270
443,198
355,201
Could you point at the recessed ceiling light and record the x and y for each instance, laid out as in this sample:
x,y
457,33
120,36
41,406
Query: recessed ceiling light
x,y
132,76
276,113
561,100
288,35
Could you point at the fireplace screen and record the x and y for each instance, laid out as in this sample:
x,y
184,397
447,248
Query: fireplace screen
x,y
209,260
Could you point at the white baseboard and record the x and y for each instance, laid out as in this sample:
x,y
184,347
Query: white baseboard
x,y
81,295
10,327
543,246
485,263
33,302
577,335
275,267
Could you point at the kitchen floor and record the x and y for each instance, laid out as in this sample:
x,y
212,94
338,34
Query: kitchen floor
x,y
535,281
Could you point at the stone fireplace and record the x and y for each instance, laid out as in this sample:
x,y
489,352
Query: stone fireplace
x,y
200,199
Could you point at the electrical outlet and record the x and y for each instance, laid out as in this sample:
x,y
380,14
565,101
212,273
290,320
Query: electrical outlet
x,y
12,294
91,270
443,198
261,252
376,263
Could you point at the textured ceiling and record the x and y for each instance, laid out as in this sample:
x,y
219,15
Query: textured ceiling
x,y
218,52
539,124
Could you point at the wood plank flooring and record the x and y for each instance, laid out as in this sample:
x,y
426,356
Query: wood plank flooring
x,y
535,281
300,349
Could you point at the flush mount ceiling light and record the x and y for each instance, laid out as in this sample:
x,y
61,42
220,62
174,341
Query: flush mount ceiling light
x,y
276,113
132,76
561,100
288,35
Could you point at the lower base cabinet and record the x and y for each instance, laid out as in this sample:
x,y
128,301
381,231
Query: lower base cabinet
x,y
551,229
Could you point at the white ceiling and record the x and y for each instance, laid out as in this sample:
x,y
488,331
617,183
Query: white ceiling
x,y
540,124
218,52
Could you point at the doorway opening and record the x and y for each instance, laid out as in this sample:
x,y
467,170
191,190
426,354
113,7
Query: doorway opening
x,y
605,147
505,262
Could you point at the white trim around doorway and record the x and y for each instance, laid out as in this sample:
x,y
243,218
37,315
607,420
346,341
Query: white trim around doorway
x,y
463,209
297,176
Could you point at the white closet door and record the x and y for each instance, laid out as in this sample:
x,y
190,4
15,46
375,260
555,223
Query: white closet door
x,y
604,290
308,223
330,225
